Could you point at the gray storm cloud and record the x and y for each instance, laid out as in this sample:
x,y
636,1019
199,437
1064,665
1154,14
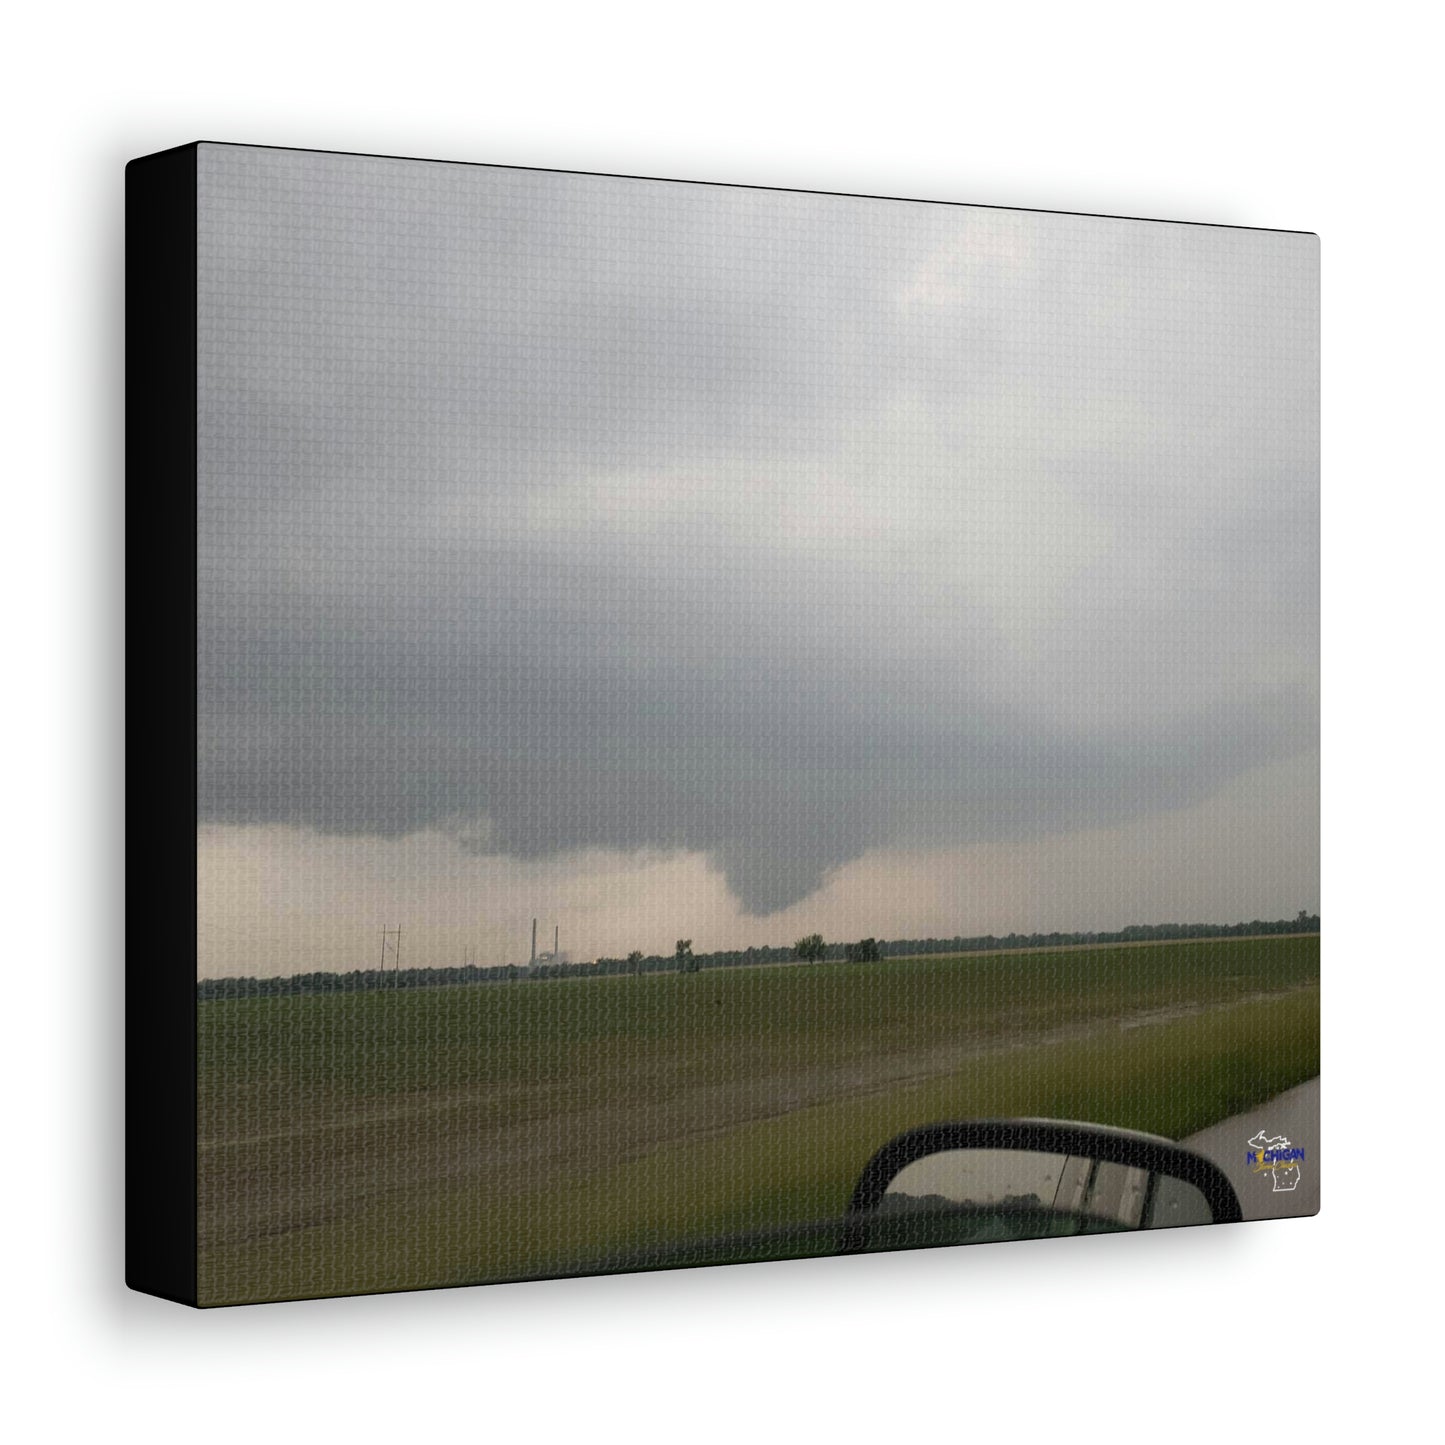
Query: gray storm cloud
x,y
562,511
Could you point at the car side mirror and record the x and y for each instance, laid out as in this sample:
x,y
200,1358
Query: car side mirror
x,y
993,1179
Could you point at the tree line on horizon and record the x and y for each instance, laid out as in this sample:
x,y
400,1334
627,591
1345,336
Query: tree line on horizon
x,y
810,949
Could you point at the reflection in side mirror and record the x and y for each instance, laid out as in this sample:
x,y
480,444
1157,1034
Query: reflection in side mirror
x,y
987,1180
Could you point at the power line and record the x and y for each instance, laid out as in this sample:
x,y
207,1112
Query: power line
x,y
391,945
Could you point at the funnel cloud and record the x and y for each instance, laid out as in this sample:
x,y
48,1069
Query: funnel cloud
x,y
555,513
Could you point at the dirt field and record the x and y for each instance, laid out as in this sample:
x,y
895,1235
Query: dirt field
x,y
392,1140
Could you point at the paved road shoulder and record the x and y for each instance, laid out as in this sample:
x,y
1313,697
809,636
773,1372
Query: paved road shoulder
x,y
1293,1115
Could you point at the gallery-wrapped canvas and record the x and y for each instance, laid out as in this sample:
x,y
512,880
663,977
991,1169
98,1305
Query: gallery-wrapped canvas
x,y
680,724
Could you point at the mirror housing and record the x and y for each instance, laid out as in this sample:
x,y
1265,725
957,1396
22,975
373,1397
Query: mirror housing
x,y
1146,1159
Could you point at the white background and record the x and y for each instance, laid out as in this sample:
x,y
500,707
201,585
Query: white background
x,y
1287,115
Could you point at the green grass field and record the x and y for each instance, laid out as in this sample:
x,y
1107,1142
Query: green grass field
x,y
375,1141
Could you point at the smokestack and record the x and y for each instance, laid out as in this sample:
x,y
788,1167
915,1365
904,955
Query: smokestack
x,y
534,940
556,934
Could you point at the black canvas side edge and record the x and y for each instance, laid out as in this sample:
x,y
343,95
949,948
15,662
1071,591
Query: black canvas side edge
x,y
160,465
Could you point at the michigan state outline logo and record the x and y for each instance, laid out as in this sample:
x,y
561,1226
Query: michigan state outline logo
x,y
1277,1157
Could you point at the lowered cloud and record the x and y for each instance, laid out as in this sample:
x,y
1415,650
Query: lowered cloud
x,y
558,514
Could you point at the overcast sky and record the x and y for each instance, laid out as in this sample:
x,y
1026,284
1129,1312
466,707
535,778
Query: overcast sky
x,y
684,560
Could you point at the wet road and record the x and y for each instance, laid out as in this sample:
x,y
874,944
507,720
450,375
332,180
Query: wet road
x,y
1295,1115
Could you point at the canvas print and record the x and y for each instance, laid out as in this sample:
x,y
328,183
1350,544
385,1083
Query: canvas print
x,y
736,724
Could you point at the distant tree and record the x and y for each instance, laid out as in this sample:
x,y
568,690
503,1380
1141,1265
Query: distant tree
x,y
811,948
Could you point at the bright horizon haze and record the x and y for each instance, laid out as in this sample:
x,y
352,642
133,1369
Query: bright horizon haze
x,y
677,560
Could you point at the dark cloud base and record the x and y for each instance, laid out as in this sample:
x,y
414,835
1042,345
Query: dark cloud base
x,y
564,512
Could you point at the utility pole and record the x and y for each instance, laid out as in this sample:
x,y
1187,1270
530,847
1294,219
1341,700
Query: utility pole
x,y
391,945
